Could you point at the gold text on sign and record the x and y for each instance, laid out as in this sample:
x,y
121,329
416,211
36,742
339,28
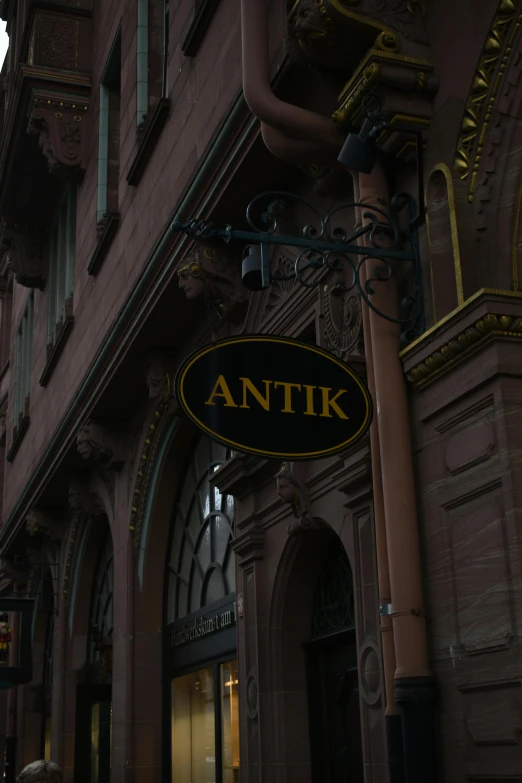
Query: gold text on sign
x,y
280,395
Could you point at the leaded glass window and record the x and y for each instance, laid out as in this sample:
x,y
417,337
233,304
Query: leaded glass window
x,y
334,601
201,565
101,604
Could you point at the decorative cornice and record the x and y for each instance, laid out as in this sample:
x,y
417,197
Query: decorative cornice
x,y
384,71
484,90
249,546
464,343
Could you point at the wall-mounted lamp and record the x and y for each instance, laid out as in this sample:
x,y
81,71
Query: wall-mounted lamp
x,y
255,270
359,151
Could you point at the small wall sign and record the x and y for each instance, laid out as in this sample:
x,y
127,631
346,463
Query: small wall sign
x,y
203,626
275,397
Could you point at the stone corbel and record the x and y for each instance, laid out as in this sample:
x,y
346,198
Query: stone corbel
x,y
211,272
292,489
100,444
25,246
59,125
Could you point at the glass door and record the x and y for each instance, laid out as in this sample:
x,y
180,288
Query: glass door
x,y
205,726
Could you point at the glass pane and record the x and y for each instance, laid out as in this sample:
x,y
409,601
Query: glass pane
x,y
215,588
95,742
47,744
230,721
221,537
193,728
204,548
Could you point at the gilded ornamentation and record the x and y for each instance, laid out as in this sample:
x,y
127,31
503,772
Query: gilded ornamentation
x,y
453,352
211,272
161,417
25,245
407,18
484,91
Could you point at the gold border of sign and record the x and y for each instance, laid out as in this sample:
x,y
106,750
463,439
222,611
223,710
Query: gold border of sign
x,y
187,364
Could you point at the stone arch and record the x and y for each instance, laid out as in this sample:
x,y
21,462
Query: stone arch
x,y
297,579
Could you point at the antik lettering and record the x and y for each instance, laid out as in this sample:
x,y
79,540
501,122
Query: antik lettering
x,y
280,396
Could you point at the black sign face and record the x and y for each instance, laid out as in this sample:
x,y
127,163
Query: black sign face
x,y
275,397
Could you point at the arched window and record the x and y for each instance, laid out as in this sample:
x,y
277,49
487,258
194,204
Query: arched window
x,y
201,564
101,603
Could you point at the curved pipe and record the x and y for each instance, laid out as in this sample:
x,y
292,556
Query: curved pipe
x,y
296,150
257,87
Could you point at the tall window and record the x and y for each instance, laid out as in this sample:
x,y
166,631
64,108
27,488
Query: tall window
x,y
61,267
204,702
109,137
201,566
101,605
151,56
48,685
24,346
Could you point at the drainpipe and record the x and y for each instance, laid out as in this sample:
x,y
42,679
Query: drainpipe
x,y
142,62
413,679
392,712
414,682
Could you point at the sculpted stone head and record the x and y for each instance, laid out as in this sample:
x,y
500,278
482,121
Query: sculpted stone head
x,y
158,374
211,271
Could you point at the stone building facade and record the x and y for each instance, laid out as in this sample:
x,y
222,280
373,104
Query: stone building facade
x,y
202,614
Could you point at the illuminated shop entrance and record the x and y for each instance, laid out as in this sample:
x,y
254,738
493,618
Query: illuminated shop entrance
x,y
200,637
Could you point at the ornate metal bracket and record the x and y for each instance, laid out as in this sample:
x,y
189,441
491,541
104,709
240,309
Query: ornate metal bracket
x,y
326,248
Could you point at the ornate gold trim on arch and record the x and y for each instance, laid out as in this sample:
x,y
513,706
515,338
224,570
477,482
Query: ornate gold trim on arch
x,y
515,245
156,428
444,168
484,90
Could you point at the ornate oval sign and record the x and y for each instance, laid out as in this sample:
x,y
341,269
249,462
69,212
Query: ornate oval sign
x,y
274,397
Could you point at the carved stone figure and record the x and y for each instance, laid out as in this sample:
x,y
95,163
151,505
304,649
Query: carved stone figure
x,y
158,373
292,489
96,443
38,523
211,272
25,247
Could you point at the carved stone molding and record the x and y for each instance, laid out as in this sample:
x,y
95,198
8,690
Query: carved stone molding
x,y
343,328
59,125
211,272
25,247
159,366
38,523
100,444
337,33
249,546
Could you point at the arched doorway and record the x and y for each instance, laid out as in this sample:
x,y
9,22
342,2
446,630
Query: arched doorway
x,y
314,676
335,724
93,746
200,637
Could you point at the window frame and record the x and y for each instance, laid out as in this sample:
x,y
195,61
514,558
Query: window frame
x,y
22,375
